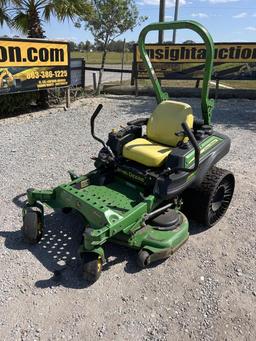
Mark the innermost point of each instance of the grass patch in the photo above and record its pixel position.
(95, 57)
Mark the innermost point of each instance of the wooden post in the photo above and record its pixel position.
(68, 97)
(83, 73)
(217, 88)
(136, 87)
(94, 76)
(197, 83)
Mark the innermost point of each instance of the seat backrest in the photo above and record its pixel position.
(166, 120)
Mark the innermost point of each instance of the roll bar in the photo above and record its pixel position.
(207, 104)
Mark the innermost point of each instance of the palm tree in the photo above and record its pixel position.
(28, 16)
(4, 17)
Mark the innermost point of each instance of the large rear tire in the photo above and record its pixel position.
(209, 203)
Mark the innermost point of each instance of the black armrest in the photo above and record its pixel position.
(116, 140)
(138, 122)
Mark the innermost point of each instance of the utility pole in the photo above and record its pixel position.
(161, 19)
(176, 14)
(122, 68)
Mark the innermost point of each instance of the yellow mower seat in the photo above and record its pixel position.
(162, 127)
(146, 152)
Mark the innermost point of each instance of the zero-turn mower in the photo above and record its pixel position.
(143, 185)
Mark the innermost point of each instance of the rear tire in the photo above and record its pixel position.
(209, 203)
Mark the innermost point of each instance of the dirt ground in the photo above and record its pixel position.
(206, 291)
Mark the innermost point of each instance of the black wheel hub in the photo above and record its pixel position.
(218, 199)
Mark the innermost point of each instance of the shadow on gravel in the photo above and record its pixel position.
(58, 249)
(196, 228)
(139, 105)
(229, 113)
(239, 115)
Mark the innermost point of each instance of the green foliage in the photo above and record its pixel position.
(4, 16)
(16, 103)
(111, 18)
(114, 46)
(27, 16)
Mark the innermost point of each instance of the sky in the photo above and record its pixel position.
(227, 21)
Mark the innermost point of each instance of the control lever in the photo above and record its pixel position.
(94, 115)
(192, 139)
(187, 132)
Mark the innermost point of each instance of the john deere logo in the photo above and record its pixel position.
(131, 175)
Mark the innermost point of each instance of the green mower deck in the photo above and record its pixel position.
(113, 212)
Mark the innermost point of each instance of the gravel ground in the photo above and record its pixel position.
(206, 291)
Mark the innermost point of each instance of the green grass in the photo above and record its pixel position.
(95, 57)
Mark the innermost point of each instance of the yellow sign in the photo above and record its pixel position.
(224, 53)
(19, 53)
(33, 64)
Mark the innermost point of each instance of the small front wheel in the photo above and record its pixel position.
(91, 266)
(32, 228)
(143, 258)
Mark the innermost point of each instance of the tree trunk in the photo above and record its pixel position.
(102, 66)
(35, 30)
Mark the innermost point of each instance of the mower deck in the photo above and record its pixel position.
(108, 209)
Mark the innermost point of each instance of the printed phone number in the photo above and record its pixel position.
(47, 74)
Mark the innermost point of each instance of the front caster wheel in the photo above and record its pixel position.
(91, 266)
(143, 259)
(32, 228)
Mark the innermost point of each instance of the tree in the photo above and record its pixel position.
(116, 46)
(72, 46)
(189, 42)
(88, 46)
(28, 15)
(81, 46)
(130, 45)
(110, 19)
(4, 17)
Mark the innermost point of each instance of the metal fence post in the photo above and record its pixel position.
(83, 72)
